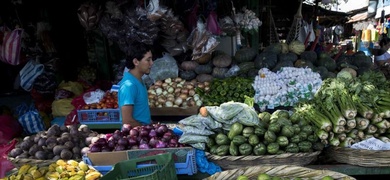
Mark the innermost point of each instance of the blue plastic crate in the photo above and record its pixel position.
(189, 167)
(99, 116)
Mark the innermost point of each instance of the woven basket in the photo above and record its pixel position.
(289, 171)
(359, 157)
(233, 162)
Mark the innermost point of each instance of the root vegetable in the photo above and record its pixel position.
(178, 101)
(171, 90)
(184, 91)
(159, 91)
(201, 86)
(177, 90)
(178, 79)
(168, 80)
(158, 83)
(191, 92)
(183, 96)
(168, 104)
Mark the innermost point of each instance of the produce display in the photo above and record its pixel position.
(58, 142)
(109, 101)
(225, 90)
(349, 109)
(277, 133)
(60, 169)
(176, 93)
(140, 137)
(286, 87)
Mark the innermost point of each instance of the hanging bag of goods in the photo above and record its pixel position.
(11, 47)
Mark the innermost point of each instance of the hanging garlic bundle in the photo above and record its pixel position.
(296, 26)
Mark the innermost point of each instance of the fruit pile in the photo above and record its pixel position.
(109, 101)
(71, 170)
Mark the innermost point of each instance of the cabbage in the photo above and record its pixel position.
(346, 75)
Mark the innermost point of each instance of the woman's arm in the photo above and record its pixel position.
(127, 116)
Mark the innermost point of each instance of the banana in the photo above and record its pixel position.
(41, 178)
(28, 177)
(93, 176)
(72, 163)
(12, 177)
(77, 177)
(35, 167)
(44, 170)
(81, 173)
(52, 167)
(19, 177)
(24, 169)
(61, 162)
(36, 174)
(52, 175)
(83, 166)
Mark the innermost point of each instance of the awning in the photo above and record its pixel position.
(358, 17)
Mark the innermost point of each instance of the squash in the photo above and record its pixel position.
(187, 75)
(309, 56)
(204, 78)
(282, 64)
(275, 48)
(322, 71)
(296, 47)
(203, 111)
(284, 47)
(350, 70)
(301, 63)
(245, 67)
(219, 72)
(266, 60)
(188, 65)
(252, 73)
(245, 54)
(222, 60)
(287, 57)
(204, 69)
(328, 63)
(205, 58)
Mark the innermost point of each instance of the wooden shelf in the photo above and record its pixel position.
(172, 111)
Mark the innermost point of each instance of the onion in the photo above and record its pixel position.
(168, 104)
(194, 81)
(191, 103)
(94, 139)
(158, 83)
(190, 86)
(207, 88)
(144, 146)
(206, 83)
(161, 144)
(151, 91)
(123, 141)
(148, 127)
(178, 101)
(151, 96)
(178, 79)
(132, 141)
(171, 98)
(164, 85)
(111, 144)
(201, 85)
(183, 96)
(177, 90)
(167, 135)
(191, 92)
(101, 142)
(108, 136)
(120, 147)
(133, 132)
(170, 90)
(184, 91)
(95, 148)
(106, 149)
(144, 133)
(153, 142)
(152, 133)
(168, 80)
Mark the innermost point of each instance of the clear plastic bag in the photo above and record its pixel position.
(233, 71)
(93, 96)
(164, 68)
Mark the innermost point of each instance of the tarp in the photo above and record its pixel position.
(382, 5)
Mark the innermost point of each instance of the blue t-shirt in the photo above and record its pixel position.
(133, 92)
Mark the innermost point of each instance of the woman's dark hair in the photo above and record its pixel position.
(136, 50)
(384, 41)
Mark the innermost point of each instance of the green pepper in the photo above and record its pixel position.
(253, 140)
(260, 131)
(236, 95)
(287, 131)
(307, 129)
(211, 143)
(220, 88)
(245, 149)
(238, 140)
(312, 138)
(233, 149)
(270, 136)
(222, 139)
(247, 131)
(274, 127)
(235, 130)
(222, 93)
(213, 149)
(259, 149)
(295, 139)
(305, 146)
(222, 150)
(297, 129)
(282, 141)
(273, 148)
(302, 136)
(292, 148)
(232, 87)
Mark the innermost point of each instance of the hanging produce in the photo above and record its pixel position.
(89, 15)
(124, 25)
(295, 26)
(201, 41)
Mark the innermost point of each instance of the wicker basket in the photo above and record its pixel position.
(233, 162)
(360, 157)
(289, 171)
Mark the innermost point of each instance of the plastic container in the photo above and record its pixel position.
(187, 167)
(157, 167)
(99, 116)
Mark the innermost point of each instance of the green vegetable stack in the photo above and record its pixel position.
(229, 89)
(349, 109)
(278, 133)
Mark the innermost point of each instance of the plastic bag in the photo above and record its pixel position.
(233, 71)
(75, 87)
(29, 73)
(5, 164)
(62, 107)
(203, 165)
(247, 116)
(192, 139)
(30, 119)
(11, 46)
(164, 68)
(225, 112)
(200, 146)
(196, 130)
(62, 94)
(9, 128)
(93, 96)
(212, 23)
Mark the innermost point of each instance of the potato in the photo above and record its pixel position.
(42, 142)
(58, 149)
(33, 149)
(41, 155)
(15, 152)
(66, 154)
(69, 144)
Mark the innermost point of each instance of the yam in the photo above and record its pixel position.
(57, 149)
(40, 155)
(66, 154)
(15, 152)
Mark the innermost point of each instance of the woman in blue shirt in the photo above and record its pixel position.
(132, 94)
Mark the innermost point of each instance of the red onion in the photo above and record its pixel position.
(133, 132)
(95, 148)
(144, 146)
(111, 144)
(152, 133)
(161, 144)
(152, 142)
(132, 141)
(120, 148)
(123, 142)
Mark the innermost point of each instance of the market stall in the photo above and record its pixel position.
(295, 109)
